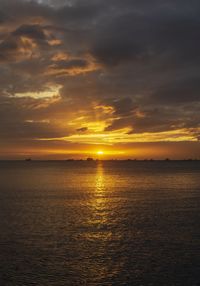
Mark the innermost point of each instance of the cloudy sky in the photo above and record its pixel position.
(79, 76)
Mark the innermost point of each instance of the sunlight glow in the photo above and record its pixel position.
(50, 92)
(100, 152)
(122, 136)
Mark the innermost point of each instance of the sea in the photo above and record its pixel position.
(100, 223)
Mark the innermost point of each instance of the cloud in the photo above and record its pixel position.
(23, 43)
(178, 91)
(82, 129)
(31, 31)
(131, 65)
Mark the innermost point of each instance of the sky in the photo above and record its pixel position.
(82, 76)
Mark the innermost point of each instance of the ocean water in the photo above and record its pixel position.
(100, 223)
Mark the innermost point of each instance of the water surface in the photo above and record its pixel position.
(99, 223)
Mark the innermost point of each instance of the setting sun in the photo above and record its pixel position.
(100, 152)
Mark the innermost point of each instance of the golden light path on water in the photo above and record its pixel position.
(99, 206)
(101, 223)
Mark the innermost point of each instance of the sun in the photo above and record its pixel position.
(100, 152)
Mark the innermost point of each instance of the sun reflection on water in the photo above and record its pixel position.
(101, 232)
(99, 207)
(99, 185)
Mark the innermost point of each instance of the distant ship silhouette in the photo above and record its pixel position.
(90, 159)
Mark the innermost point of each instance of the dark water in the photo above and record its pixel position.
(106, 223)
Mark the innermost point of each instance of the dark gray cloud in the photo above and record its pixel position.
(8, 49)
(178, 91)
(31, 31)
(70, 64)
(146, 35)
